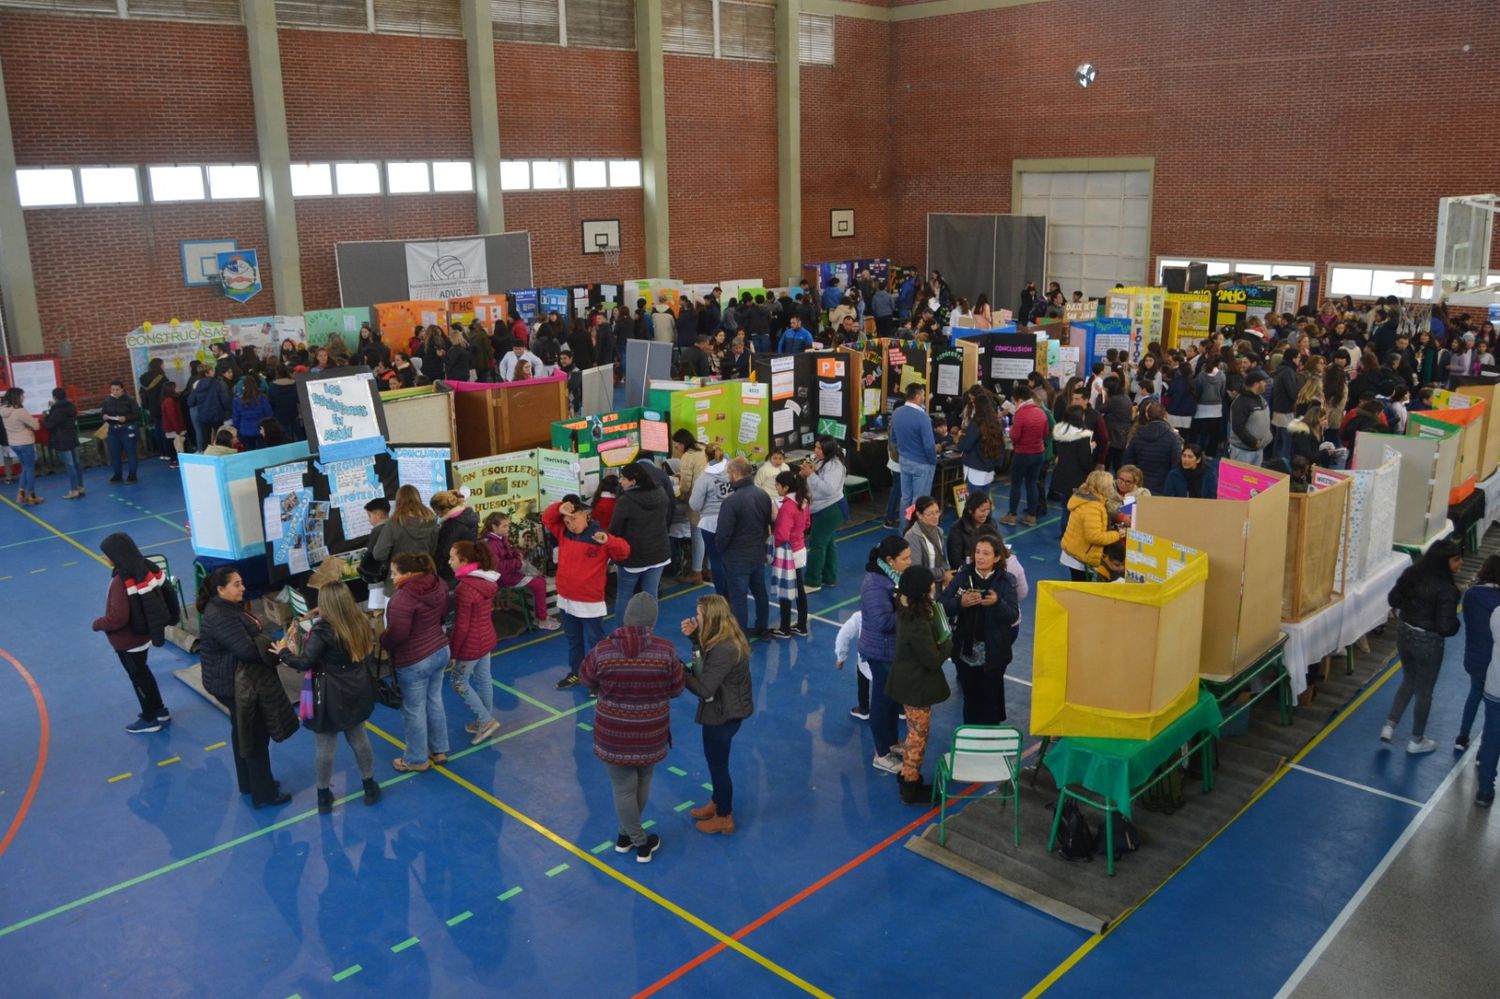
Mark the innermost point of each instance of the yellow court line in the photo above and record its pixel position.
(630, 883)
(27, 513)
(1088, 945)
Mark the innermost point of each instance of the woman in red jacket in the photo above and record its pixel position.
(419, 651)
(473, 638)
(173, 421)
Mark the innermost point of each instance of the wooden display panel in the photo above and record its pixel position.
(1486, 390)
(1316, 529)
(421, 418)
(505, 417)
(1469, 422)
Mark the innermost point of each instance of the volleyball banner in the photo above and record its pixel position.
(447, 269)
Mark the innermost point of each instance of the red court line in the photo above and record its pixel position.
(804, 894)
(41, 752)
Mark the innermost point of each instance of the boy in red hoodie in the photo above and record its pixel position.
(584, 552)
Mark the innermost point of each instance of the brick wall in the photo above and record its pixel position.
(721, 168)
(1283, 130)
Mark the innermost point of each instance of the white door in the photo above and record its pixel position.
(1098, 227)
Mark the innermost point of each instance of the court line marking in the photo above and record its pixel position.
(623, 879)
(170, 759)
(461, 917)
(1356, 785)
(554, 712)
(118, 777)
(44, 735)
(348, 972)
(403, 945)
(81, 530)
(554, 872)
(509, 893)
(1083, 950)
(151, 515)
(37, 520)
(1357, 899)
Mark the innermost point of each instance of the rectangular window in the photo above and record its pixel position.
(357, 178)
(687, 27)
(343, 15)
(312, 180)
(624, 173)
(176, 183)
(110, 185)
(1377, 281)
(407, 178)
(549, 175)
(533, 21)
(815, 39)
(452, 175)
(46, 188)
(210, 11)
(515, 175)
(603, 24)
(590, 173)
(236, 181)
(747, 31)
(419, 17)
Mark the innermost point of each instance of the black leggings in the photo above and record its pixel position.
(143, 681)
(253, 771)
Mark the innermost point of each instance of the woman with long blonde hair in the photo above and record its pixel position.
(1088, 525)
(721, 679)
(412, 529)
(339, 649)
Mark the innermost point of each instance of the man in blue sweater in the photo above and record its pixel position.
(916, 444)
(796, 339)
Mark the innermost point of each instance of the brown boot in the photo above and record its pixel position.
(690, 578)
(708, 811)
(718, 824)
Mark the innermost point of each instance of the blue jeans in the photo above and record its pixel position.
(583, 634)
(762, 343)
(629, 582)
(1244, 457)
(916, 482)
(893, 502)
(203, 434)
(717, 740)
(121, 442)
(26, 455)
(1471, 705)
(742, 583)
(423, 722)
(715, 562)
(1024, 471)
(883, 711)
(1489, 748)
(471, 681)
(697, 550)
(74, 469)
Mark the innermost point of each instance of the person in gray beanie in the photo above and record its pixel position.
(635, 675)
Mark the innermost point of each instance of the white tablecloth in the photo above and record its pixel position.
(1442, 533)
(1309, 640)
(1366, 605)
(1491, 489)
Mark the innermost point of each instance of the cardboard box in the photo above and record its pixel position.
(1422, 485)
(1243, 534)
(1316, 531)
(1079, 688)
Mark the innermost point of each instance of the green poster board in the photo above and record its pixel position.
(321, 323)
(616, 439)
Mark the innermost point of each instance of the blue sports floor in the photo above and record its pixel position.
(129, 864)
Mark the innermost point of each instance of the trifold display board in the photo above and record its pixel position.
(615, 439)
(952, 371)
(1426, 472)
(1001, 360)
(1187, 320)
(1081, 690)
(1485, 389)
(1468, 423)
(1372, 518)
(736, 415)
(500, 417)
(1097, 337)
(1316, 530)
(1243, 533)
(1232, 304)
(1142, 306)
(812, 394)
(223, 508)
(397, 322)
(421, 415)
(521, 485)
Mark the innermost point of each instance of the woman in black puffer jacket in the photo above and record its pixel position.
(1426, 600)
(456, 522)
(643, 512)
(239, 670)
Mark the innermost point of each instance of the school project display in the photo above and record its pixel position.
(1316, 533)
(734, 415)
(1372, 518)
(499, 417)
(421, 415)
(1468, 421)
(320, 324)
(1243, 533)
(223, 507)
(341, 411)
(1097, 337)
(1082, 689)
(1485, 389)
(396, 322)
(177, 344)
(1426, 472)
(520, 485)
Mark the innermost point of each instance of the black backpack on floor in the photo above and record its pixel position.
(1127, 837)
(1075, 840)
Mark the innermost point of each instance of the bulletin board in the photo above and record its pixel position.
(37, 376)
(397, 321)
(320, 324)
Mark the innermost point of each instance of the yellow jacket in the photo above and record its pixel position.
(1088, 529)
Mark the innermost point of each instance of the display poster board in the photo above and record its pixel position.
(320, 324)
(177, 344)
(1191, 318)
(1316, 533)
(1003, 359)
(904, 363)
(35, 375)
(520, 485)
(1078, 692)
(1426, 470)
(223, 506)
(267, 333)
(1486, 389)
(486, 309)
(615, 439)
(950, 377)
(342, 413)
(1245, 541)
(735, 415)
(837, 402)
(1233, 304)
(528, 303)
(1143, 307)
(1372, 518)
(1469, 422)
(397, 322)
(1096, 338)
(419, 416)
(792, 384)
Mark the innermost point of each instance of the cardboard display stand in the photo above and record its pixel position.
(521, 485)
(223, 508)
(500, 417)
(1002, 360)
(1426, 471)
(1469, 422)
(1372, 519)
(1080, 689)
(1485, 389)
(1243, 533)
(420, 416)
(1316, 534)
(735, 415)
(1098, 337)
(812, 394)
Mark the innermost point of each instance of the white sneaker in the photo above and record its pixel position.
(488, 730)
(890, 763)
(1417, 747)
(1387, 732)
(549, 624)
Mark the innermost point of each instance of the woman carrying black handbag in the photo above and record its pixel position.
(339, 652)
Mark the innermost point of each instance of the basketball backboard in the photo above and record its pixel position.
(1465, 227)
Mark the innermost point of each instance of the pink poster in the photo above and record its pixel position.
(1237, 482)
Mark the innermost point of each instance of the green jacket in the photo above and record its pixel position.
(916, 676)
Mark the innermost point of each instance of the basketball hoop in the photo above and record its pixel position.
(611, 256)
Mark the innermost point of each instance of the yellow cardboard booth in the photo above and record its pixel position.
(1085, 683)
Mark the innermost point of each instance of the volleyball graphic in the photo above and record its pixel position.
(448, 268)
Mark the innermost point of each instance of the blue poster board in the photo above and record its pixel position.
(1101, 336)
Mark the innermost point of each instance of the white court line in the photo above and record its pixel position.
(1356, 785)
(1375, 875)
(1016, 679)
(840, 624)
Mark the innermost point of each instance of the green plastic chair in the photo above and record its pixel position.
(160, 561)
(980, 754)
(856, 486)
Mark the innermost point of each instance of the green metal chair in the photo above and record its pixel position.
(161, 562)
(980, 754)
(858, 485)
